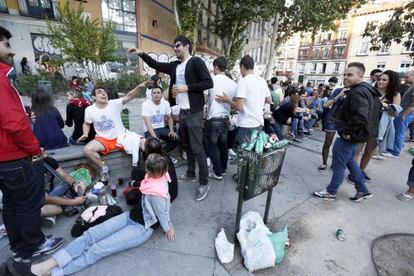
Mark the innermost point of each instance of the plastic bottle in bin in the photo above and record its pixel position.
(280, 144)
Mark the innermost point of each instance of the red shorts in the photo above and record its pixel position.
(109, 145)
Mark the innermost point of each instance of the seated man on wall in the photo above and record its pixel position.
(105, 115)
(155, 112)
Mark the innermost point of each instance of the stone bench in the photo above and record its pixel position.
(119, 162)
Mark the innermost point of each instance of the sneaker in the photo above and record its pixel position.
(324, 195)
(48, 222)
(215, 176)
(367, 178)
(202, 192)
(184, 155)
(377, 157)
(350, 179)
(208, 162)
(388, 154)
(18, 268)
(297, 140)
(360, 196)
(223, 174)
(105, 173)
(174, 160)
(232, 152)
(322, 167)
(49, 245)
(187, 178)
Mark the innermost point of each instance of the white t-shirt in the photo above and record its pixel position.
(182, 98)
(106, 121)
(254, 89)
(156, 112)
(222, 83)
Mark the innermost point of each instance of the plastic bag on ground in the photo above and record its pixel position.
(82, 174)
(279, 240)
(224, 249)
(256, 247)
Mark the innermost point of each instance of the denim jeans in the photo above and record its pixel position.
(191, 134)
(400, 126)
(217, 135)
(114, 235)
(245, 133)
(162, 133)
(22, 185)
(296, 122)
(343, 157)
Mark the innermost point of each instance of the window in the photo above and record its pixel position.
(363, 48)
(339, 52)
(315, 54)
(289, 66)
(301, 67)
(3, 5)
(404, 66)
(336, 70)
(323, 70)
(314, 67)
(121, 12)
(384, 49)
(381, 65)
(39, 8)
(325, 53)
(303, 54)
(409, 46)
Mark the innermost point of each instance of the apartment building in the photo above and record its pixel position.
(394, 56)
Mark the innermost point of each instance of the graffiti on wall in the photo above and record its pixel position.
(42, 45)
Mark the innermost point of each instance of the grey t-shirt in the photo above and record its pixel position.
(408, 98)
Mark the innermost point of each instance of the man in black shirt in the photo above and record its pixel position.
(189, 78)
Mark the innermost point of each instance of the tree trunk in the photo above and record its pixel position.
(272, 52)
(176, 17)
(230, 44)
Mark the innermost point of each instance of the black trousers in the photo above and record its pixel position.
(191, 135)
(22, 185)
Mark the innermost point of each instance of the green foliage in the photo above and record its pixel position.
(123, 84)
(27, 84)
(188, 16)
(83, 41)
(400, 27)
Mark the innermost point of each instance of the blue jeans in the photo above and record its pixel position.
(400, 126)
(244, 133)
(217, 134)
(162, 133)
(342, 157)
(114, 235)
(294, 126)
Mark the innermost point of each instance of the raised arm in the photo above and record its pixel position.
(164, 67)
(133, 93)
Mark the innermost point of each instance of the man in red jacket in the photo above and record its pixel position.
(21, 171)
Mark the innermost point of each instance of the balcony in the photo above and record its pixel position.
(305, 44)
(341, 41)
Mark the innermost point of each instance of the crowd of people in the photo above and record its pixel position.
(205, 117)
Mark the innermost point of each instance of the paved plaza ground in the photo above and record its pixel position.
(312, 223)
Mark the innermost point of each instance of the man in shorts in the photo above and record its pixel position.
(105, 115)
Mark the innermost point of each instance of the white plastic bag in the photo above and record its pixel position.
(225, 249)
(256, 246)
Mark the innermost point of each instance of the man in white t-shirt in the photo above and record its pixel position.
(155, 112)
(218, 122)
(252, 93)
(105, 115)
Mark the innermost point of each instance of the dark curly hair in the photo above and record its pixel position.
(394, 83)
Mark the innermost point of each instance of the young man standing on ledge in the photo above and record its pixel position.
(189, 78)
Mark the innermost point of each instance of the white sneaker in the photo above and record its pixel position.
(388, 154)
(215, 176)
(232, 153)
(208, 162)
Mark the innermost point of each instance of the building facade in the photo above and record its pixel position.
(388, 57)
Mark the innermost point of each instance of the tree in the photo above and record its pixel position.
(398, 28)
(231, 22)
(83, 41)
(302, 16)
(186, 15)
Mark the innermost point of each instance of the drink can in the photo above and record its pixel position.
(340, 234)
(120, 181)
(113, 189)
(267, 147)
(255, 133)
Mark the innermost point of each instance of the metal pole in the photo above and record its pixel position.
(241, 183)
(268, 202)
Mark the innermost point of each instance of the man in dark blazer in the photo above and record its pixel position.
(189, 78)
